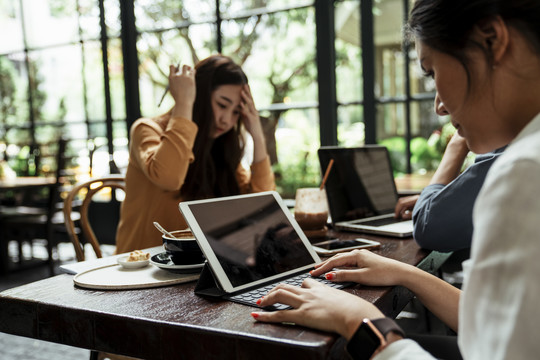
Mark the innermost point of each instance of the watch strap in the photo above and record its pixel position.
(386, 325)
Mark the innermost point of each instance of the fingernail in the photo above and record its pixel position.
(311, 272)
(330, 276)
(259, 301)
(255, 315)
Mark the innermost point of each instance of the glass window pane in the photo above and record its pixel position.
(420, 84)
(388, 23)
(89, 19)
(57, 84)
(424, 120)
(237, 7)
(120, 131)
(80, 163)
(297, 141)
(49, 22)
(391, 133)
(98, 129)
(76, 130)
(18, 136)
(48, 134)
(100, 157)
(390, 120)
(390, 81)
(351, 126)
(158, 50)
(13, 91)
(112, 17)
(277, 52)
(120, 142)
(93, 77)
(10, 23)
(163, 14)
(430, 134)
(116, 79)
(348, 52)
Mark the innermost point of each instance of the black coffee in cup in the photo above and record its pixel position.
(183, 248)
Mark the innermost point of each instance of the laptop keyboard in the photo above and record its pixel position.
(250, 297)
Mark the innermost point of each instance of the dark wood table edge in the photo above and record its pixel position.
(159, 332)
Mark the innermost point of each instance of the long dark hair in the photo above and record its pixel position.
(446, 25)
(213, 173)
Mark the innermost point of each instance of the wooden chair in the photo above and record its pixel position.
(87, 190)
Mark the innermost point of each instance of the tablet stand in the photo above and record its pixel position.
(207, 284)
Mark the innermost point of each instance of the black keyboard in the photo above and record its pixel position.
(250, 297)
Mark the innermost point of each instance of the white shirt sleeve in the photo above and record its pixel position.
(405, 349)
(498, 317)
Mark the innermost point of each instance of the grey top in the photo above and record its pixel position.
(442, 215)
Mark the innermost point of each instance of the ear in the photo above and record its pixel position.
(493, 35)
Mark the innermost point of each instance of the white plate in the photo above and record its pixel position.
(163, 261)
(131, 264)
(115, 277)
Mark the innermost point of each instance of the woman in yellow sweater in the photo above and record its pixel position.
(191, 152)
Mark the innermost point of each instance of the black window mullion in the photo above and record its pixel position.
(106, 79)
(326, 70)
(219, 40)
(368, 70)
(405, 48)
(29, 76)
(131, 62)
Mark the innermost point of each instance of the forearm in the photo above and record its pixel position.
(441, 298)
(259, 148)
(452, 161)
(182, 109)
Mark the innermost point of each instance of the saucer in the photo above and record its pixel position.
(163, 261)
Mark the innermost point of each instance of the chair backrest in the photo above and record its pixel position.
(91, 187)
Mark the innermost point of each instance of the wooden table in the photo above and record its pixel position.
(18, 184)
(24, 182)
(172, 322)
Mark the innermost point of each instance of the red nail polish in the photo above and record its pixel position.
(259, 301)
(329, 276)
(255, 315)
(311, 272)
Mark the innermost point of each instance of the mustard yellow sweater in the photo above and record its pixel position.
(159, 156)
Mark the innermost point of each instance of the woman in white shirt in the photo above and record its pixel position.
(484, 56)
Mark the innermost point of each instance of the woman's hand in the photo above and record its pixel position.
(404, 207)
(252, 122)
(249, 113)
(183, 90)
(363, 267)
(318, 306)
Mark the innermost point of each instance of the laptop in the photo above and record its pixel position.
(251, 243)
(361, 191)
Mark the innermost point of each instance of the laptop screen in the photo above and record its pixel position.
(251, 237)
(361, 183)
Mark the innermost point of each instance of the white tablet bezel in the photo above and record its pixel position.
(213, 261)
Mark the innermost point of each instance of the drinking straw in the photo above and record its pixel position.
(328, 168)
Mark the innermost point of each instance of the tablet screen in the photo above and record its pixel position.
(251, 237)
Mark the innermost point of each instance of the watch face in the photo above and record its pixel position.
(365, 341)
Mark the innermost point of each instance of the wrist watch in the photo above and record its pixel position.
(371, 334)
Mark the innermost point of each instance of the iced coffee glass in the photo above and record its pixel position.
(311, 209)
